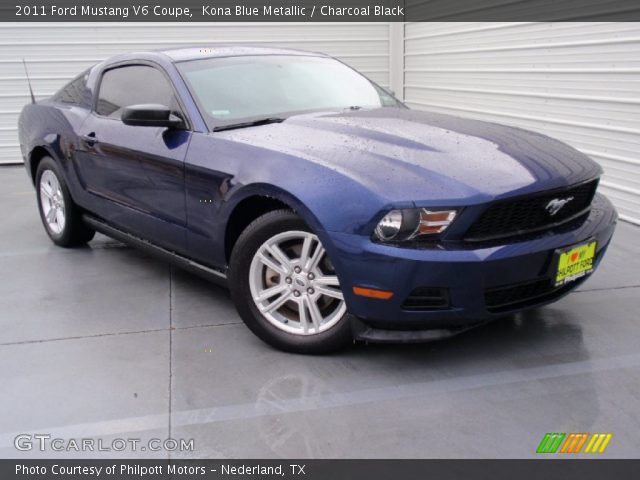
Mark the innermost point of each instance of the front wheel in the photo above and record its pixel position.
(285, 286)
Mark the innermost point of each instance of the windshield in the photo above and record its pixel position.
(232, 90)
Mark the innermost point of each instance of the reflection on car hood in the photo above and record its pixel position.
(405, 154)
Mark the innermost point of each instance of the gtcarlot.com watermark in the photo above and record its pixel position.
(45, 442)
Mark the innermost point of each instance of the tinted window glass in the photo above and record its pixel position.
(75, 92)
(233, 88)
(125, 86)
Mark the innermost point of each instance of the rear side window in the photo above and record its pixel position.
(132, 85)
(75, 92)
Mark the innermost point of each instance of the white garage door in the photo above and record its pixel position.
(578, 82)
(55, 53)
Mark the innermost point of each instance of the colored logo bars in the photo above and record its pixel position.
(573, 443)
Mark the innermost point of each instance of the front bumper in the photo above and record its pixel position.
(465, 273)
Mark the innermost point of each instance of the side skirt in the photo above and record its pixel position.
(213, 275)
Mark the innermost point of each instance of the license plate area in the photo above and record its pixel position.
(574, 262)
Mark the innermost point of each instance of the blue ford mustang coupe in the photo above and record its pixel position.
(331, 210)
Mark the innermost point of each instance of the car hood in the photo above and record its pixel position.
(403, 154)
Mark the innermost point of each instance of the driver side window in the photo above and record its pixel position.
(133, 85)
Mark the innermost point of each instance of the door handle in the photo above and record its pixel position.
(90, 139)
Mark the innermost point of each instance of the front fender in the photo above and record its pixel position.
(277, 193)
(331, 198)
(236, 196)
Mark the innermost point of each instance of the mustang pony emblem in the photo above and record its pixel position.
(556, 204)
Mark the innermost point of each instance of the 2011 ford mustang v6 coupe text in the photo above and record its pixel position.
(330, 209)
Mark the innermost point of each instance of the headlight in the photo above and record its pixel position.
(406, 224)
(390, 225)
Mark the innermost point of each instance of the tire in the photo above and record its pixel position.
(60, 216)
(311, 317)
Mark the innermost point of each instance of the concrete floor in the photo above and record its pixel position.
(106, 342)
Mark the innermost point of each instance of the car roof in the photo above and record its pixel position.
(194, 53)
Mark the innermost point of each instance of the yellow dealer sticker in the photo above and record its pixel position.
(575, 262)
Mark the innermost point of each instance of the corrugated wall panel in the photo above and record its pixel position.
(578, 82)
(55, 53)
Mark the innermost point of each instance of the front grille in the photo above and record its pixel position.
(427, 298)
(512, 297)
(520, 216)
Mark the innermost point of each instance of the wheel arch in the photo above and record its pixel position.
(253, 201)
(35, 157)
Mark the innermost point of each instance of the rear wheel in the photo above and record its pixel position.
(285, 286)
(59, 215)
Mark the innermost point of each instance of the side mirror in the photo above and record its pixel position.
(150, 115)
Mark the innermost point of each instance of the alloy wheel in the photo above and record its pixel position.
(52, 202)
(294, 285)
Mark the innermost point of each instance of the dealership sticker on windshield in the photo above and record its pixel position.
(575, 262)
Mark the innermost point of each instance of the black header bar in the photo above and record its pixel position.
(318, 10)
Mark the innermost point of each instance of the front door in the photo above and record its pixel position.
(135, 173)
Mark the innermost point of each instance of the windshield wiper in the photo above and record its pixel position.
(252, 123)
